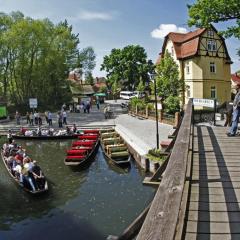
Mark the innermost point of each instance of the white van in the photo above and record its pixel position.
(138, 94)
(126, 95)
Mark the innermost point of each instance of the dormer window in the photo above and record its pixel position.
(212, 45)
(210, 33)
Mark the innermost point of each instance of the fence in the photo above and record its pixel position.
(151, 114)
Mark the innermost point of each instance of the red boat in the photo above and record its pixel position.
(83, 150)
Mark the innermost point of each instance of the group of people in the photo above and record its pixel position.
(36, 118)
(22, 167)
(47, 132)
(83, 106)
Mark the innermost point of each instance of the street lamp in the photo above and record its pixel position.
(152, 77)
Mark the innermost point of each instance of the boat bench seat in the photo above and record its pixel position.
(75, 157)
(76, 152)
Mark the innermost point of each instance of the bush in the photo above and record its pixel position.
(137, 102)
(172, 104)
(155, 155)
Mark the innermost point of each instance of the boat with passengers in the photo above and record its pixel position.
(24, 171)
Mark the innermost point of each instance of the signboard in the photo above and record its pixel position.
(33, 102)
(203, 102)
(159, 106)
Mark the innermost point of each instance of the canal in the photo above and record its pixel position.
(84, 204)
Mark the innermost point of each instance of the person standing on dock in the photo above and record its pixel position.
(236, 113)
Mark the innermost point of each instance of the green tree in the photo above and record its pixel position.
(127, 66)
(87, 60)
(35, 56)
(141, 86)
(115, 89)
(205, 12)
(172, 104)
(167, 78)
(89, 78)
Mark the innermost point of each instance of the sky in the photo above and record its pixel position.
(108, 24)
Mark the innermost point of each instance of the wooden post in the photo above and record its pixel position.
(136, 109)
(177, 119)
(147, 112)
(160, 116)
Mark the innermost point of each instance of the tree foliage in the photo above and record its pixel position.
(167, 78)
(35, 57)
(205, 12)
(86, 60)
(127, 66)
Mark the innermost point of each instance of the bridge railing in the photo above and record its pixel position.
(164, 220)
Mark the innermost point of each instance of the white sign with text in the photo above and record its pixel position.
(203, 102)
(33, 102)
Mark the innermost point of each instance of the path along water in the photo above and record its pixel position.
(84, 204)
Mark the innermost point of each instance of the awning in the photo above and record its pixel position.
(100, 94)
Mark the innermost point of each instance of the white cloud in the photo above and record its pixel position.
(164, 29)
(88, 15)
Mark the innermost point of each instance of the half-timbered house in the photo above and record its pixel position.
(204, 63)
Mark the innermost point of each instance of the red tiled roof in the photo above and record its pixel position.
(235, 78)
(185, 44)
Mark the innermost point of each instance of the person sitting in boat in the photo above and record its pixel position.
(26, 177)
(23, 131)
(39, 132)
(11, 162)
(68, 130)
(13, 147)
(17, 171)
(74, 128)
(50, 132)
(5, 149)
(21, 151)
(9, 136)
(38, 175)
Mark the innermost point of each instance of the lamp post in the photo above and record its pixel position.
(152, 77)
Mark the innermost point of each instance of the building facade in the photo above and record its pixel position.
(204, 63)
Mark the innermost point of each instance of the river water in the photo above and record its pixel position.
(84, 204)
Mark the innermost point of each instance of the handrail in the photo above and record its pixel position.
(162, 219)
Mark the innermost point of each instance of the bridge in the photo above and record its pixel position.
(199, 194)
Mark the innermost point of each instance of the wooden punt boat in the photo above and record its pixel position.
(47, 137)
(83, 151)
(114, 148)
(16, 180)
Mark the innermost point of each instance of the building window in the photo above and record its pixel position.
(212, 45)
(212, 67)
(213, 92)
(187, 68)
(172, 51)
(210, 33)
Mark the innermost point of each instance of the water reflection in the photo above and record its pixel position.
(81, 204)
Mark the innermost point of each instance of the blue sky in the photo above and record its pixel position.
(107, 24)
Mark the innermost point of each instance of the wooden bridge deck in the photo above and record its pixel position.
(213, 210)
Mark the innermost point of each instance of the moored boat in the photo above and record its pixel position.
(114, 148)
(83, 150)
